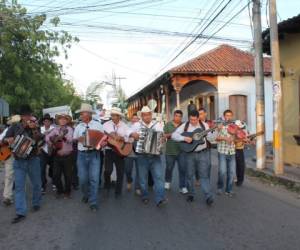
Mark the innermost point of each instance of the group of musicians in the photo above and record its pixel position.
(85, 163)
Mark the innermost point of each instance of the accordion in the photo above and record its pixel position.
(22, 146)
(93, 139)
(150, 142)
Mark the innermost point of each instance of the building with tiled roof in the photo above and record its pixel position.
(218, 79)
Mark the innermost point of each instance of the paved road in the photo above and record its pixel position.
(259, 217)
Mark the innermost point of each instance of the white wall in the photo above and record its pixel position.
(235, 85)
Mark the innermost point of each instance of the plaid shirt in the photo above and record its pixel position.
(223, 146)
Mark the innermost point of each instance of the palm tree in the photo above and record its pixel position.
(120, 98)
(93, 92)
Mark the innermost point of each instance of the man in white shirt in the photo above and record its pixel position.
(46, 158)
(197, 159)
(9, 175)
(88, 160)
(131, 162)
(150, 162)
(117, 129)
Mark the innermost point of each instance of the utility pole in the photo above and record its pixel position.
(277, 93)
(259, 85)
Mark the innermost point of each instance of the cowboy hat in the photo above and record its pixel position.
(66, 116)
(13, 119)
(116, 111)
(146, 109)
(85, 107)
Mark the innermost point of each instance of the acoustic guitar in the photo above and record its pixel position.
(121, 147)
(198, 138)
(5, 152)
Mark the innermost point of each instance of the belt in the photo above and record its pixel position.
(88, 151)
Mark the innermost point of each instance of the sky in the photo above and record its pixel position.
(139, 40)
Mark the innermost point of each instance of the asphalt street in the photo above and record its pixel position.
(260, 216)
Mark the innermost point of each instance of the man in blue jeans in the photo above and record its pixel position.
(88, 159)
(26, 164)
(173, 154)
(148, 162)
(196, 159)
(226, 155)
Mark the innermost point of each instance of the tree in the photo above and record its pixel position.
(120, 98)
(93, 92)
(28, 71)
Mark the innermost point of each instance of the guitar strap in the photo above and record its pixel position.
(187, 124)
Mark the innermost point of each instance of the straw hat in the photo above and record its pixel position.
(116, 111)
(14, 119)
(66, 116)
(85, 107)
(146, 109)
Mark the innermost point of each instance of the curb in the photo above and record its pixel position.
(290, 184)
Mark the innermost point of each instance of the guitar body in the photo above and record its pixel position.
(122, 148)
(197, 137)
(5, 153)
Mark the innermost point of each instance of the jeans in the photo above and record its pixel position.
(63, 165)
(153, 164)
(88, 164)
(170, 164)
(22, 167)
(111, 159)
(226, 167)
(130, 163)
(240, 165)
(198, 161)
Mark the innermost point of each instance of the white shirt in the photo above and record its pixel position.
(2, 135)
(157, 126)
(120, 129)
(176, 136)
(45, 131)
(81, 129)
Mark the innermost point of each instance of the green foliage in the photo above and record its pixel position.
(28, 71)
(120, 98)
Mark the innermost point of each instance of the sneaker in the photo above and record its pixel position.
(190, 198)
(43, 191)
(129, 187)
(183, 190)
(53, 188)
(209, 201)
(138, 192)
(162, 203)
(85, 200)
(230, 194)
(219, 192)
(7, 202)
(167, 185)
(93, 208)
(18, 219)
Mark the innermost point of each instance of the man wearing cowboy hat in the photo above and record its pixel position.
(120, 131)
(148, 162)
(8, 166)
(60, 140)
(29, 166)
(46, 158)
(88, 160)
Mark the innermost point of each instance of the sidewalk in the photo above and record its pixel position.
(290, 178)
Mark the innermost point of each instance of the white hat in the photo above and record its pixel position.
(85, 107)
(116, 111)
(146, 109)
(240, 124)
(14, 119)
(66, 116)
